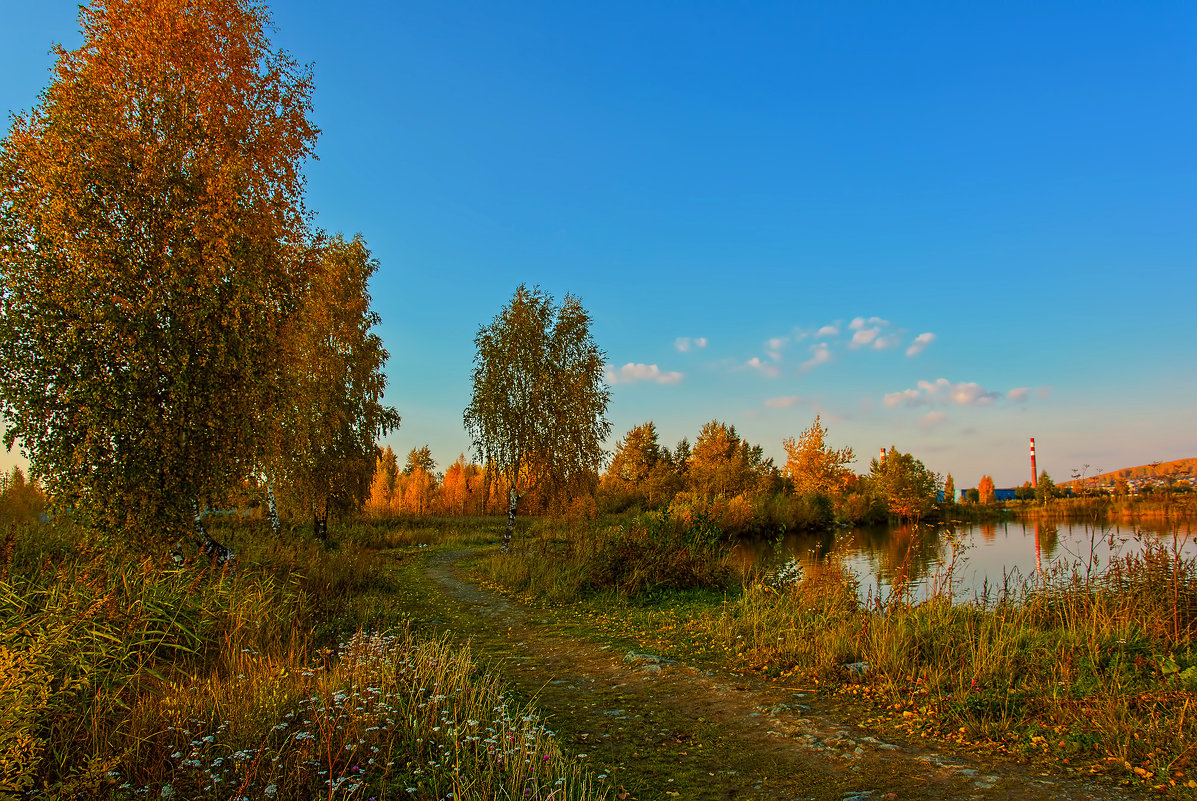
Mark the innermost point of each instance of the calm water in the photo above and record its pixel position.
(984, 558)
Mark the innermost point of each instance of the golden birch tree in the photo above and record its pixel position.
(331, 410)
(908, 487)
(151, 219)
(538, 411)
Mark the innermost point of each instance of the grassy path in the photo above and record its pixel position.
(659, 729)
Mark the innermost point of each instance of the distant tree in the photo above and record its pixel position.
(382, 486)
(973, 495)
(681, 457)
(813, 465)
(419, 459)
(1046, 487)
(949, 489)
(388, 468)
(21, 500)
(985, 490)
(723, 463)
(1026, 492)
(909, 488)
(538, 410)
(461, 488)
(636, 454)
(151, 219)
(716, 466)
(333, 410)
(661, 484)
(417, 492)
(1121, 487)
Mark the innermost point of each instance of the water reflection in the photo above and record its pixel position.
(975, 561)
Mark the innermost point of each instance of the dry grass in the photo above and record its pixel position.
(123, 676)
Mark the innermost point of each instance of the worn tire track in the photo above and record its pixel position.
(661, 729)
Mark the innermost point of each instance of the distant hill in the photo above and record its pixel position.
(1180, 468)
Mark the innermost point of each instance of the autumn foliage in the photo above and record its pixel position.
(985, 490)
(154, 250)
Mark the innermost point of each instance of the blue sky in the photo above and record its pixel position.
(946, 227)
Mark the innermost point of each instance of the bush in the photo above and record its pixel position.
(657, 551)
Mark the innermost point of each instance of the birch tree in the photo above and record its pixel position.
(151, 219)
(332, 409)
(537, 413)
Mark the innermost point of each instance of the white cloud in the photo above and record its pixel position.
(970, 393)
(783, 402)
(885, 342)
(920, 344)
(686, 343)
(633, 372)
(828, 331)
(820, 354)
(965, 393)
(869, 332)
(863, 336)
(910, 397)
(1018, 394)
(873, 322)
(774, 347)
(764, 368)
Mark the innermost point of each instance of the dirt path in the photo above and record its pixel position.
(659, 729)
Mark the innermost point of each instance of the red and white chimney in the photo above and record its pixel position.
(1034, 472)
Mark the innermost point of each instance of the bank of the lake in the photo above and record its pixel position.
(1093, 668)
(982, 561)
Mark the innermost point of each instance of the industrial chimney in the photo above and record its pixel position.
(1034, 472)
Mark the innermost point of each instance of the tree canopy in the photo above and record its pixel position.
(909, 488)
(537, 413)
(985, 490)
(154, 260)
(636, 454)
(813, 465)
(332, 410)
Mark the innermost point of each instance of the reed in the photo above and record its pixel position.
(123, 675)
(650, 553)
(1095, 665)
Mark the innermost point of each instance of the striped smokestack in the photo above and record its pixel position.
(1034, 472)
(883, 456)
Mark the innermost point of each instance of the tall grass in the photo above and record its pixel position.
(125, 675)
(1081, 663)
(1099, 664)
(1158, 506)
(651, 552)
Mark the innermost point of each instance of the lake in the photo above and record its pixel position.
(976, 560)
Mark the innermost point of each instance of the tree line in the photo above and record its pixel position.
(178, 334)
(721, 477)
